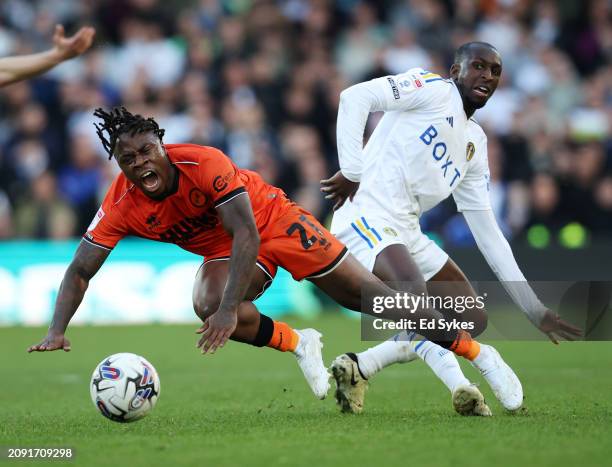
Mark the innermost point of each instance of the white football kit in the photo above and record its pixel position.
(423, 150)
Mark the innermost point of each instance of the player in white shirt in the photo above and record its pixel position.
(425, 148)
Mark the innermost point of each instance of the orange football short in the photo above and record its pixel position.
(294, 240)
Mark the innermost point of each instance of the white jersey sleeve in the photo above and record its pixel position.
(498, 254)
(415, 89)
(472, 194)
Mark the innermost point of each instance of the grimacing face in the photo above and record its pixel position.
(477, 76)
(143, 160)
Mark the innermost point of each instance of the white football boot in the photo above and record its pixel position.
(350, 383)
(503, 381)
(308, 355)
(468, 400)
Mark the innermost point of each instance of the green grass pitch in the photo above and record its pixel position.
(249, 406)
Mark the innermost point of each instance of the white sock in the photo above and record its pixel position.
(398, 349)
(403, 348)
(442, 362)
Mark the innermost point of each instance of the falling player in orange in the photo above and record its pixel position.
(195, 197)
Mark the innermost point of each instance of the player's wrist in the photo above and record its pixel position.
(57, 55)
(228, 307)
(351, 176)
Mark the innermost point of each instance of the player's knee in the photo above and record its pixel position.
(206, 305)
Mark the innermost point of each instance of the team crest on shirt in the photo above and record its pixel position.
(469, 151)
(197, 198)
(390, 231)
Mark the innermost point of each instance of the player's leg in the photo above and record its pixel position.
(503, 381)
(395, 265)
(260, 330)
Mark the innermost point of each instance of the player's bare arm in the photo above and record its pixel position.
(238, 220)
(86, 262)
(338, 188)
(13, 69)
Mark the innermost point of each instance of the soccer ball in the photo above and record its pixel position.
(124, 387)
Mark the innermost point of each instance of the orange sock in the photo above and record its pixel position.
(284, 338)
(465, 346)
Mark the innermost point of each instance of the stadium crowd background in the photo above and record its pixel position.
(261, 80)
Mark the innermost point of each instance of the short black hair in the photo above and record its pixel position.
(464, 50)
(118, 121)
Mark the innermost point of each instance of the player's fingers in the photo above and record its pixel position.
(205, 336)
(566, 335)
(339, 204)
(219, 340)
(202, 328)
(59, 32)
(209, 342)
(552, 338)
(203, 339)
(568, 327)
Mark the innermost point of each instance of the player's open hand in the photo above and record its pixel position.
(338, 188)
(554, 327)
(68, 47)
(217, 329)
(51, 342)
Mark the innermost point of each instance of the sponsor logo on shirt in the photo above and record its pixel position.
(220, 182)
(190, 227)
(440, 153)
(396, 94)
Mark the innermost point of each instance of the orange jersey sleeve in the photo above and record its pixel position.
(220, 178)
(108, 226)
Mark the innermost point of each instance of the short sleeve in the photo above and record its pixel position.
(221, 180)
(472, 194)
(107, 226)
(413, 89)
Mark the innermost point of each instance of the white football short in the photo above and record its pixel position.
(368, 234)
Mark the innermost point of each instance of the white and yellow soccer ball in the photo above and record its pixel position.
(124, 387)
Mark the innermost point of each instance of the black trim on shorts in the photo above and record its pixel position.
(330, 266)
(229, 195)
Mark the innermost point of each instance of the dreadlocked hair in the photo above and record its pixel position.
(119, 121)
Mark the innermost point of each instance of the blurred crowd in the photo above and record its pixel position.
(260, 79)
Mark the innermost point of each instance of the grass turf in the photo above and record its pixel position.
(249, 406)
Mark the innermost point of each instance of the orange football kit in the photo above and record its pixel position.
(290, 236)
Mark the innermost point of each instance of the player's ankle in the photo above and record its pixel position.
(465, 346)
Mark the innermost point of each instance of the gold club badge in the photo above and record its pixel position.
(469, 151)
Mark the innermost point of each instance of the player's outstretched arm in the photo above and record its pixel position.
(13, 69)
(496, 250)
(86, 262)
(238, 220)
